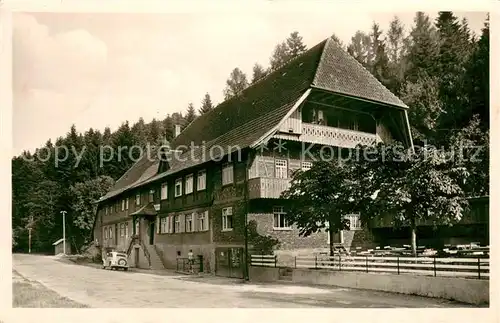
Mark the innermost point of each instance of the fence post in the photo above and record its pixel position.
(201, 263)
(275, 260)
(366, 263)
(434, 266)
(316, 262)
(340, 263)
(479, 268)
(398, 264)
(295, 261)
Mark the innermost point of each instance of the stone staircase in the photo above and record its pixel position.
(285, 274)
(154, 258)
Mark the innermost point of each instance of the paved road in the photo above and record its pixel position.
(105, 288)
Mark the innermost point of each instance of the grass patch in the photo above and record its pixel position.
(32, 294)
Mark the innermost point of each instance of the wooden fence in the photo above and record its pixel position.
(442, 267)
(264, 260)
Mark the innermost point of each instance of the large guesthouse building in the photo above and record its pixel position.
(230, 165)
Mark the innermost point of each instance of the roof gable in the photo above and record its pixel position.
(341, 73)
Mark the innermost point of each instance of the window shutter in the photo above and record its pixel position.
(207, 226)
(158, 219)
(194, 221)
(182, 223)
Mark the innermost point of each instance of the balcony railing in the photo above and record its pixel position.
(324, 135)
(262, 187)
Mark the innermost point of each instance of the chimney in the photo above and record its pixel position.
(177, 130)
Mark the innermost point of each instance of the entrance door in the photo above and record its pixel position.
(229, 262)
(151, 232)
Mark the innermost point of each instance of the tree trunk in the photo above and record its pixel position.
(413, 238)
(330, 233)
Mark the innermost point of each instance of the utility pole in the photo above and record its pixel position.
(30, 227)
(64, 230)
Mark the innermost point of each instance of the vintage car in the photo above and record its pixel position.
(115, 260)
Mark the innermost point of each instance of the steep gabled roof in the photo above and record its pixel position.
(246, 118)
(341, 73)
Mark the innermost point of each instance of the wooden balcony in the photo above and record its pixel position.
(267, 188)
(324, 135)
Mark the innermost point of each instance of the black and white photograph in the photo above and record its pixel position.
(250, 158)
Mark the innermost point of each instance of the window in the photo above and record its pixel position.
(122, 229)
(202, 180)
(126, 203)
(164, 191)
(138, 199)
(126, 229)
(189, 184)
(111, 232)
(227, 219)
(170, 224)
(177, 223)
(123, 205)
(281, 168)
(354, 222)
(110, 209)
(280, 221)
(203, 221)
(178, 187)
(151, 195)
(189, 223)
(227, 174)
(106, 233)
(306, 166)
(106, 210)
(163, 225)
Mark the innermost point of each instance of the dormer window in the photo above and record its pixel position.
(151, 195)
(138, 199)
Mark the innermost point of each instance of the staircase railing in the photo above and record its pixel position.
(131, 245)
(145, 250)
(136, 239)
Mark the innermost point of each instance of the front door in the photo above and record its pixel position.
(229, 262)
(151, 232)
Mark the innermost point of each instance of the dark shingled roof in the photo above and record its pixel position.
(341, 73)
(246, 117)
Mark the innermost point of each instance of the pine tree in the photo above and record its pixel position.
(190, 115)
(380, 63)
(295, 45)
(154, 133)
(140, 132)
(359, 48)
(168, 126)
(338, 41)
(423, 49)
(236, 83)
(258, 72)
(396, 53)
(477, 79)
(454, 53)
(280, 56)
(206, 104)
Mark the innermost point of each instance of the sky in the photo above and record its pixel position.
(99, 69)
